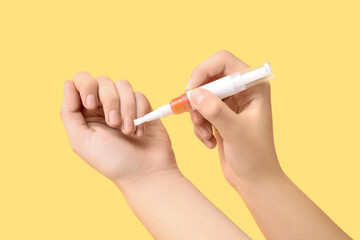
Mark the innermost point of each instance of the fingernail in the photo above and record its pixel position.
(188, 84)
(196, 97)
(90, 101)
(203, 131)
(114, 117)
(128, 125)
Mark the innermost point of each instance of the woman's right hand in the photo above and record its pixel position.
(242, 123)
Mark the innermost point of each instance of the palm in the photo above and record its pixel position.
(116, 155)
(248, 105)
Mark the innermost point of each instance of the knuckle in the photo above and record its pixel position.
(199, 72)
(111, 100)
(223, 53)
(196, 118)
(86, 89)
(267, 86)
(196, 132)
(84, 82)
(122, 83)
(141, 100)
(80, 75)
(214, 111)
(226, 55)
(103, 78)
(208, 133)
(128, 108)
(139, 95)
(262, 90)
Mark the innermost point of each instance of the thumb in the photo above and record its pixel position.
(74, 122)
(214, 110)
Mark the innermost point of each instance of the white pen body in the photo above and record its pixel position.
(223, 87)
(237, 82)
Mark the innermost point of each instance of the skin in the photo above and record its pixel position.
(98, 115)
(241, 127)
(98, 118)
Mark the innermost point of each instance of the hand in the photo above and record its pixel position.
(98, 117)
(242, 122)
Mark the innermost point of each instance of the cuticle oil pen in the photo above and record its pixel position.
(223, 87)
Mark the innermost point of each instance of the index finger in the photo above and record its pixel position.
(219, 64)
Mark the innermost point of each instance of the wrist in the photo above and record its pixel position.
(269, 181)
(263, 170)
(149, 180)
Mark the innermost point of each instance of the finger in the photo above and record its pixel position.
(214, 110)
(88, 89)
(205, 130)
(109, 99)
(127, 106)
(221, 63)
(196, 117)
(74, 122)
(142, 108)
(202, 126)
(220, 144)
(209, 143)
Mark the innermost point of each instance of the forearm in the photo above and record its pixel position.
(170, 207)
(283, 211)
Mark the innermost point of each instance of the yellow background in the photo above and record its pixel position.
(47, 192)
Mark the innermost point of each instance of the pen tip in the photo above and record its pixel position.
(139, 121)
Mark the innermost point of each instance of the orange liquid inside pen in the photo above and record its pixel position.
(180, 104)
